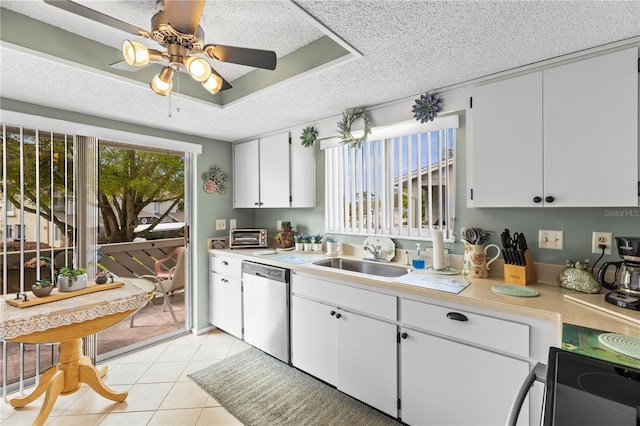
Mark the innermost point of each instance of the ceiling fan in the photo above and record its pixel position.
(176, 27)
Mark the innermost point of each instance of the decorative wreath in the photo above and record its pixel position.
(215, 180)
(309, 136)
(344, 127)
(426, 108)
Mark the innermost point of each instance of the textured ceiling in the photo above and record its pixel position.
(408, 47)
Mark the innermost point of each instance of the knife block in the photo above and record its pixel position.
(521, 275)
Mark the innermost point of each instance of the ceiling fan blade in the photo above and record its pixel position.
(184, 15)
(94, 15)
(241, 55)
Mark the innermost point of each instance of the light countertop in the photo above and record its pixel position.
(551, 305)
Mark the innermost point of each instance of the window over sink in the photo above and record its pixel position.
(400, 183)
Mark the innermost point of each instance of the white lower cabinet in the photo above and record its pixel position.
(449, 383)
(367, 361)
(225, 295)
(446, 363)
(314, 339)
(352, 351)
(459, 367)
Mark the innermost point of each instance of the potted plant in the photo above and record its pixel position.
(102, 277)
(286, 235)
(316, 239)
(308, 246)
(71, 279)
(298, 241)
(42, 288)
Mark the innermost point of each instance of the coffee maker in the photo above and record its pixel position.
(626, 283)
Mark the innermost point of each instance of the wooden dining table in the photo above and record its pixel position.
(66, 321)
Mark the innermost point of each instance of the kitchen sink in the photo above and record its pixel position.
(370, 268)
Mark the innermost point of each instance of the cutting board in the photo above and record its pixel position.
(32, 300)
(596, 301)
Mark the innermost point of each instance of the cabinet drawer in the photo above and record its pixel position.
(502, 335)
(225, 266)
(380, 305)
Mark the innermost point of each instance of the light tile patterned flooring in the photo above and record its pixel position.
(160, 393)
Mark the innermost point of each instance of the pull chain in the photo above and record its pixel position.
(178, 99)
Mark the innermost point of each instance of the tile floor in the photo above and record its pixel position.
(160, 393)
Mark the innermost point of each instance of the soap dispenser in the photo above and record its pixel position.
(418, 261)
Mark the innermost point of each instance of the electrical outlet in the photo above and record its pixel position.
(598, 238)
(232, 224)
(221, 225)
(550, 239)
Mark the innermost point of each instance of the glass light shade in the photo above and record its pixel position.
(161, 83)
(198, 68)
(134, 53)
(213, 83)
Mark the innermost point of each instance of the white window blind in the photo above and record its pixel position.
(399, 185)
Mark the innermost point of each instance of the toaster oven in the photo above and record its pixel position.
(248, 238)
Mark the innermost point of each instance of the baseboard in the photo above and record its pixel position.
(205, 330)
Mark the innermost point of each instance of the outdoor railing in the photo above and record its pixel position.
(137, 258)
(122, 259)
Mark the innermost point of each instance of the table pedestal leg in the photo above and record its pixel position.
(66, 378)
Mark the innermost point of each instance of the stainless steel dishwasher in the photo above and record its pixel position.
(266, 308)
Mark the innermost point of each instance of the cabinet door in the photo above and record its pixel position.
(313, 338)
(218, 297)
(506, 148)
(449, 383)
(368, 361)
(274, 171)
(303, 172)
(246, 175)
(591, 132)
(233, 301)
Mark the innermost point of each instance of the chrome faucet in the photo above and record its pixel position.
(375, 252)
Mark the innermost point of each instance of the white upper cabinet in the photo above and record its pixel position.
(303, 172)
(562, 137)
(507, 142)
(274, 171)
(591, 131)
(271, 172)
(246, 174)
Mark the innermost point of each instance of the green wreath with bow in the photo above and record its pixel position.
(344, 127)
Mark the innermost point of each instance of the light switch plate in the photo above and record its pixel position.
(550, 239)
(221, 225)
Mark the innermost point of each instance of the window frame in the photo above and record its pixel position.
(341, 189)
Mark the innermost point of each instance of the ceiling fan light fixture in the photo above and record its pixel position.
(198, 68)
(161, 83)
(213, 84)
(135, 54)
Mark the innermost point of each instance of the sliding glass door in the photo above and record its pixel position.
(106, 206)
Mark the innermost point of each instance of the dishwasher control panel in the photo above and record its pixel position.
(265, 271)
